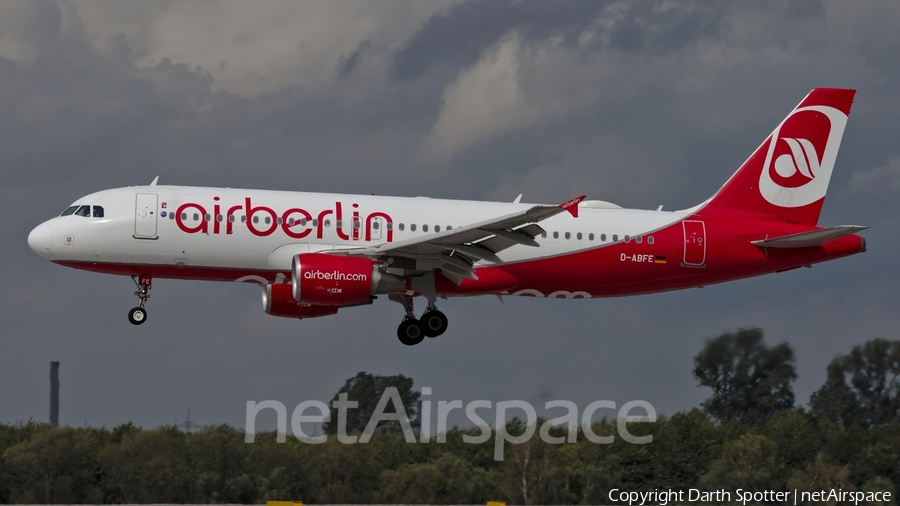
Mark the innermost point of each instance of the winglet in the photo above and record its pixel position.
(153, 183)
(572, 205)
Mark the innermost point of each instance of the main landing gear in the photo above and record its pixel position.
(413, 331)
(138, 315)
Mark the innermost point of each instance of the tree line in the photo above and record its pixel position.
(748, 434)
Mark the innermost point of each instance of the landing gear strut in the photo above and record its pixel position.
(138, 315)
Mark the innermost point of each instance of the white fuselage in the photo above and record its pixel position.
(215, 227)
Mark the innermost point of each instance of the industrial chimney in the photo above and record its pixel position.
(54, 394)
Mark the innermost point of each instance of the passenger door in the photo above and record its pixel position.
(145, 208)
(694, 243)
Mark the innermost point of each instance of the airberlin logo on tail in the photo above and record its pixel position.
(802, 160)
(800, 156)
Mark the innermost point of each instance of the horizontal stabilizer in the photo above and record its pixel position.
(808, 239)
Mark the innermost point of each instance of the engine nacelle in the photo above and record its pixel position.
(340, 280)
(278, 300)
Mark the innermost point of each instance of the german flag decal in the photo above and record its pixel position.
(659, 259)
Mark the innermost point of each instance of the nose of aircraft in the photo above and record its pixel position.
(39, 240)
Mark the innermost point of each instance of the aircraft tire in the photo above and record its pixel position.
(434, 323)
(137, 316)
(410, 332)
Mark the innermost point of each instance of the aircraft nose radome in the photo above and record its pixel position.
(39, 240)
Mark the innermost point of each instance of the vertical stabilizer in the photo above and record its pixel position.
(787, 176)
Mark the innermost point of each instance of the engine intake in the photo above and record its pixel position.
(279, 301)
(340, 280)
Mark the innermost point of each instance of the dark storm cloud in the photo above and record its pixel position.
(459, 36)
(684, 93)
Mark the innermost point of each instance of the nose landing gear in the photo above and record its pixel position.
(138, 315)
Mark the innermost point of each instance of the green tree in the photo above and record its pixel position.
(147, 466)
(56, 466)
(820, 474)
(750, 380)
(748, 462)
(445, 480)
(366, 389)
(221, 461)
(863, 387)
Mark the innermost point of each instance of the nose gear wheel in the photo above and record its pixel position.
(138, 315)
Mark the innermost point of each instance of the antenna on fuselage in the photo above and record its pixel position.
(154, 181)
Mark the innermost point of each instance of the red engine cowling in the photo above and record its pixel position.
(340, 280)
(278, 300)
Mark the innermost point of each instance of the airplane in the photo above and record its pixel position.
(313, 254)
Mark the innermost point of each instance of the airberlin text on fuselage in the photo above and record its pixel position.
(295, 222)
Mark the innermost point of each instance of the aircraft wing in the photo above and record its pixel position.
(456, 250)
(807, 239)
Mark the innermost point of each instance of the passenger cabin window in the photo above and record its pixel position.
(591, 236)
(638, 239)
(69, 210)
(98, 212)
(424, 228)
(650, 240)
(400, 226)
(83, 211)
(615, 237)
(568, 235)
(603, 237)
(578, 236)
(412, 227)
(556, 235)
(437, 228)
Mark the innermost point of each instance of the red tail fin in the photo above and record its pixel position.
(787, 176)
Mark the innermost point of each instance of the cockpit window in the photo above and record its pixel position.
(69, 211)
(83, 211)
(98, 212)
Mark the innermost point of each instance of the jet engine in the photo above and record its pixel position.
(279, 301)
(340, 280)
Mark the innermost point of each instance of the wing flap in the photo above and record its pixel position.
(809, 239)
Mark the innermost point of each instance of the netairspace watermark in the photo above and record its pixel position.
(664, 497)
(392, 396)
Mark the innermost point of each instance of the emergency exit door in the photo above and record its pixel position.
(145, 215)
(694, 243)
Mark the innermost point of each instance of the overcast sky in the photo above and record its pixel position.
(639, 103)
